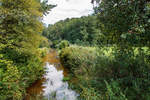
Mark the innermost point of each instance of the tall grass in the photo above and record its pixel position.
(109, 73)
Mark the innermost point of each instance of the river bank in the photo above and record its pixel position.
(53, 68)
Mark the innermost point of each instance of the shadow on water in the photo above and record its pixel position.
(54, 69)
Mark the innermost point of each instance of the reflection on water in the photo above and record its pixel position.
(51, 85)
(55, 87)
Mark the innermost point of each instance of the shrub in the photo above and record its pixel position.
(126, 72)
(17, 71)
(63, 44)
(43, 51)
(9, 81)
(75, 56)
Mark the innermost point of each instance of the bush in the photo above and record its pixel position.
(63, 44)
(18, 71)
(44, 42)
(10, 78)
(43, 51)
(75, 56)
(113, 73)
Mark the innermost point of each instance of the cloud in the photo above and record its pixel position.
(68, 9)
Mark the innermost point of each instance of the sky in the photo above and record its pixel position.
(68, 9)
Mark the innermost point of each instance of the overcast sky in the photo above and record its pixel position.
(68, 9)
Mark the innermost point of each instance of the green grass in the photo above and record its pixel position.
(103, 73)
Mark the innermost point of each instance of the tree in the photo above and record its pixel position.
(81, 31)
(20, 38)
(126, 20)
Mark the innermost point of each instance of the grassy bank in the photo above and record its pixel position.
(105, 74)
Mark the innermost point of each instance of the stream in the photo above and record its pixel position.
(51, 86)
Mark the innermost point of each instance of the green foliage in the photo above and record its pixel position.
(125, 21)
(63, 44)
(43, 51)
(114, 92)
(44, 42)
(90, 94)
(10, 78)
(20, 59)
(126, 73)
(119, 69)
(75, 56)
(66, 78)
(45, 7)
(81, 31)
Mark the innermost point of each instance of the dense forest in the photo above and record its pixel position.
(80, 31)
(107, 54)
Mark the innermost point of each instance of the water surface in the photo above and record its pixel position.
(55, 88)
(51, 85)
